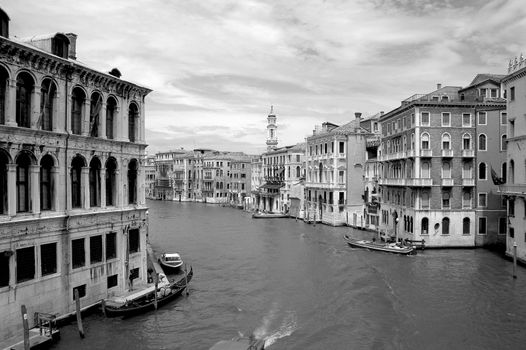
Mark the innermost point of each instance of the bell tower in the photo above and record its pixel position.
(272, 130)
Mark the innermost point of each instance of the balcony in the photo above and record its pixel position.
(447, 153)
(325, 185)
(426, 153)
(447, 182)
(468, 153)
(420, 182)
(411, 153)
(514, 189)
(392, 182)
(468, 182)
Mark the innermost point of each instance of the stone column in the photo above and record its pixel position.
(56, 123)
(102, 121)
(67, 182)
(11, 189)
(140, 186)
(34, 177)
(103, 188)
(10, 116)
(84, 187)
(119, 189)
(86, 118)
(35, 107)
(55, 186)
(118, 125)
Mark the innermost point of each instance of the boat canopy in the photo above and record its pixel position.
(172, 257)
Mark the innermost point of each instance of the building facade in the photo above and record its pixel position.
(72, 149)
(239, 184)
(515, 187)
(430, 173)
(334, 186)
(149, 177)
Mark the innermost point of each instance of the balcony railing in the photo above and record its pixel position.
(392, 182)
(420, 182)
(448, 153)
(426, 153)
(411, 153)
(513, 189)
(468, 182)
(447, 182)
(468, 153)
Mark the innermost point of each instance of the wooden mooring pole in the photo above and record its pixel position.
(79, 316)
(514, 259)
(155, 293)
(26, 327)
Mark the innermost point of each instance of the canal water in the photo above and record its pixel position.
(300, 286)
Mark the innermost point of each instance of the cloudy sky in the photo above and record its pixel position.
(216, 66)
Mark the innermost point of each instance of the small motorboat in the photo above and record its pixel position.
(171, 262)
(260, 215)
(384, 247)
(240, 344)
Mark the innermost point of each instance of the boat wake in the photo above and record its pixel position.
(287, 327)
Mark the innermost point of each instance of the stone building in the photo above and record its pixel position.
(72, 196)
(430, 174)
(515, 187)
(334, 186)
(149, 177)
(239, 180)
(216, 170)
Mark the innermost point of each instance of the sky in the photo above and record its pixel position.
(216, 66)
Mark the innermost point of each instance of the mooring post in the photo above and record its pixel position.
(186, 279)
(79, 316)
(155, 293)
(26, 327)
(103, 305)
(514, 259)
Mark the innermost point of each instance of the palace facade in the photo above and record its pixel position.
(72, 196)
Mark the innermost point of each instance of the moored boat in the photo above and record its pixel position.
(146, 302)
(384, 247)
(171, 262)
(260, 215)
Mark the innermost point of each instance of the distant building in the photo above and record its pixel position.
(149, 177)
(335, 161)
(72, 195)
(515, 187)
(239, 180)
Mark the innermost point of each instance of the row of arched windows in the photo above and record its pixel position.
(446, 222)
(25, 166)
(25, 88)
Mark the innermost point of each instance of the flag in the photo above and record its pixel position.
(496, 179)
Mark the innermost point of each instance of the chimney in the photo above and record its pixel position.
(439, 86)
(381, 112)
(358, 115)
(72, 45)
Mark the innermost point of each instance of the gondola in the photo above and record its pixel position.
(147, 302)
(269, 216)
(384, 247)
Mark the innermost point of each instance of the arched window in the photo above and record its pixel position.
(76, 181)
(445, 226)
(132, 182)
(466, 170)
(111, 109)
(4, 77)
(298, 171)
(46, 184)
(320, 169)
(503, 143)
(425, 141)
(446, 170)
(133, 116)
(47, 96)
(446, 141)
(466, 226)
(482, 142)
(425, 226)
(503, 172)
(425, 200)
(466, 141)
(4, 161)
(94, 182)
(77, 110)
(426, 173)
(466, 199)
(94, 114)
(482, 171)
(24, 88)
(512, 172)
(23, 162)
(446, 199)
(111, 169)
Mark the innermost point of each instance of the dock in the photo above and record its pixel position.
(40, 336)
